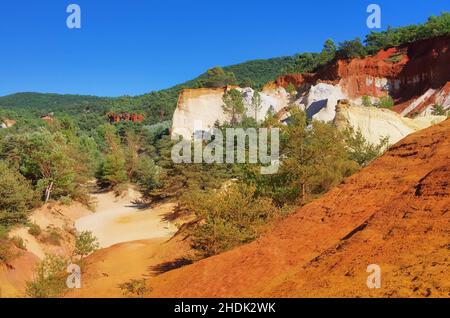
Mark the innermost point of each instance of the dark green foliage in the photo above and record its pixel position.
(85, 244)
(16, 196)
(351, 49)
(438, 110)
(217, 77)
(435, 26)
(362, 151)
(147, 175)
(233, 105)
(228, 218)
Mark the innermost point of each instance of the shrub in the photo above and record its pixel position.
(49, 278)
(366, 101)
(18, 242)
(438, 110)
(386, 102)
(66, 200)
(135, 287)
(360, 150)
(147, 175)
(52, 237)
(6, 253)
(228, 218)
(34, 229)
(395, 58)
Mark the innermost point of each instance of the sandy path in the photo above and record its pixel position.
(118, 220)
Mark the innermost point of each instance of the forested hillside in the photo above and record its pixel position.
(89, 111)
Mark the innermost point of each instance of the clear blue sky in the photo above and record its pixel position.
(136, 46)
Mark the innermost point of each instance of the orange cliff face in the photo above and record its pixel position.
(394, 213)
(404, 72)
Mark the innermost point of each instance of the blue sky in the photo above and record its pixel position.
(136, 46)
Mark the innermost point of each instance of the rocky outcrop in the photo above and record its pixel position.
(320, 101)
(203, 107)
(7, 123)
(416, 75)
(133, 117)
(405, 73)
(376, 123)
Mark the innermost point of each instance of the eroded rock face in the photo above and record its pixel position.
(320, 102)
(376, 123)
(416, 75)
(406, 73)
(204, 107)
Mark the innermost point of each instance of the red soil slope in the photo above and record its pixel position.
(394, 213)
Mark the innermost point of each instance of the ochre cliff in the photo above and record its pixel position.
(406, 73)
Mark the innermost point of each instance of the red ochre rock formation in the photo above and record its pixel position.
(405, 72)
(394, 213)
(133, 117)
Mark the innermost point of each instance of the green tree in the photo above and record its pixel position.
(360, 150)
(228, 218)
(147, 175)
(351, 49)
(85, 244)
(233, 105)
(217, 77)
(256, 104)
(16, 196)
(328, 52)
(112, 170)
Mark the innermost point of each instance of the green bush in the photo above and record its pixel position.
(52, 237)
(385, 102)
(438, 110)
(367, 101)
(227, 218)
(6, 253)
(360, 150)
(49, 278)
(65, 200)
(18, 242)
(135, 288)
(34, 229)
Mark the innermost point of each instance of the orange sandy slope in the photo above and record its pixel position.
(394, 213)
